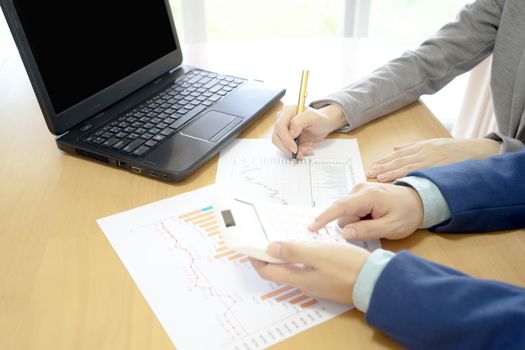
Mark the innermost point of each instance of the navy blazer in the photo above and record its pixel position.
(483, 195)
(425, 305)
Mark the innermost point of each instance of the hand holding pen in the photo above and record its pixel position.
(299, 127)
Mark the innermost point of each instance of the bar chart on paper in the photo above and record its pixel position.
(254, 168)
(176, 255)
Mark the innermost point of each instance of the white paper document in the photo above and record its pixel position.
(205, 295)
(257, 169)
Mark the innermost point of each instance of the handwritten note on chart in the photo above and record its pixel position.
(255, 168)
(205, 295)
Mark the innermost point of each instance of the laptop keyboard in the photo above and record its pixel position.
(148, 125)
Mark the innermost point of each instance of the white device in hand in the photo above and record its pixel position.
(249, 227)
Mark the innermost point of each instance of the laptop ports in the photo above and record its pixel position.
(153, 174)
(122, 164)
(136, 169)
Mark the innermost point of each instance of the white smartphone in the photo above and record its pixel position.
(249, 227)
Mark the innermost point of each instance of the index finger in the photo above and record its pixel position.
(333, 212)
(348, 206)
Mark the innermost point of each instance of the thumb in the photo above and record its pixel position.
(365, 229)
(298, 252)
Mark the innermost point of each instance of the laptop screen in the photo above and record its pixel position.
(81, 48)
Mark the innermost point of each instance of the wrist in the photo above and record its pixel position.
(335, 116)
(359, 259)
(435, 207)
(492, 148)
(418, 206)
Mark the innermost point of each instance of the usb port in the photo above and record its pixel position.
(153, 174)
(122, 164)
(136, 170)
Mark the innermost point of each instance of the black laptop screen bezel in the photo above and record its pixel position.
(94, 104)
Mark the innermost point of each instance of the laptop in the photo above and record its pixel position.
(110, 81)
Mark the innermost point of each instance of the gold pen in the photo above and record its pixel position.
(300, 104)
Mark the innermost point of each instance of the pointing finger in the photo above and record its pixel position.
(352, 205)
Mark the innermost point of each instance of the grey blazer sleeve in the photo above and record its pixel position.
(509, 144)
(456, 48)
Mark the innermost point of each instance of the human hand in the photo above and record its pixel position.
(312, 124)
(430, 153)
(323, 270)
(374, 210)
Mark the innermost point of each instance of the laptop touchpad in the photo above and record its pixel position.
(212, 125)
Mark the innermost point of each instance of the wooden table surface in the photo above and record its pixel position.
(62, 285)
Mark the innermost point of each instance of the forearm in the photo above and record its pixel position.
(422, 304)
(456, 48)
(482, 195)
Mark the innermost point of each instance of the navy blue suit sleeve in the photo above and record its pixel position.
(425, 305)
(483, 195)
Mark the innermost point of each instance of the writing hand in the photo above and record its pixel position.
(312, 124)
(374, 211)
(324, 270)
(429, 153)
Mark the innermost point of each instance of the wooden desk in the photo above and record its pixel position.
(62, 285)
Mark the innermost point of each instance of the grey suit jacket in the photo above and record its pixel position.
(481, 28)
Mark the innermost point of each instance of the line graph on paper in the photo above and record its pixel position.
(196, 285)
(206, 295)
(204, 220)
(309, 182)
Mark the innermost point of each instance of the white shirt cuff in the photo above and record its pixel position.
(368, 276)
(435, 207)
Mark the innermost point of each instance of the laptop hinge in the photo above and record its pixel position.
(171, 71)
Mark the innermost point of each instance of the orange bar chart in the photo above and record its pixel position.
(210, 223)
(200, 216)
(184, 216)
(206, 221)
(230, 254)
(299, 299)
(276, 292)
(290, 294)
(225, 253)
(221, 249)
(287, 296)
(236, 256)
(309, 303)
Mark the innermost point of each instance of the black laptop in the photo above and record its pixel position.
(111, 84)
